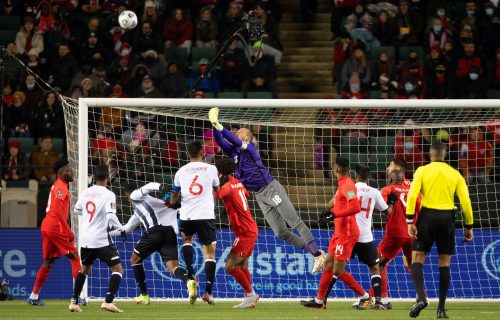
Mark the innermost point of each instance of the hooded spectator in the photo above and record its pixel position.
(147, 89)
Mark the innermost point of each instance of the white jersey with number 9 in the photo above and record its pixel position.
(369, 199)
(196, 181)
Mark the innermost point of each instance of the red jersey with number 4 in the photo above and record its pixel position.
(56, 217)
(345, 207)
(396, 226)
(234, 195)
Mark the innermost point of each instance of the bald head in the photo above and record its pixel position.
(437, 151)
(244, 135)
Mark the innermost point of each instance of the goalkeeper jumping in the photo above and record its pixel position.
(270, 195)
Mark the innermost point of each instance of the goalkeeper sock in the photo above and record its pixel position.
(79, 282)
(140, 278)
(417, 274)
(188, 253)
(210, 274)
(181, 274)
(327, 279)
(75, 266)
(349, 281)
(114, 284)
(242, 279)
(41, 277)
(444, 284)
(376, 283)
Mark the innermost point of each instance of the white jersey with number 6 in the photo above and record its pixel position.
(370, 199)
(196, 181)
(94, 204)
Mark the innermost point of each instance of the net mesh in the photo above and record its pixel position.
(144, 144)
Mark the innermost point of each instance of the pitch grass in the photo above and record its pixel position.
(58, 309)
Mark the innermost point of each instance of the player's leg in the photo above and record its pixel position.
(88, 257)
(187, 233)
(445, 242)
(207, 235)
(110, 256)
(75, 262)
(368, 255)
(325, 282)
(140, 278)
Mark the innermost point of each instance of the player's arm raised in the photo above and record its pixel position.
(143, 191)
(218, 128)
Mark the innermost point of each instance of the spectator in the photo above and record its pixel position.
(469, 16)
(147, 39)
(33, 95)
(115, 9)
(452, 153)
(85, 90)
(472, 86)
(16, 163)
(492, 72)
(448, 53)
(93, 26)
(440, 82)
(47, 21)
(436, 36)
(488, 29)
(151, 15)
(353, 90)
(210, 147)
(209, 83)
(412, 84)
(13, 71)
(178, 31)
(341, 9)
(104, 143)
(173, 84)
(63, 68)
(18, 118)
(342, 48)
(359, 64)
(262, 75)
(147, 89)
(476, 157)
(50, 118)
(122, 64)
(28, 38)
(171, 150)
(34, 62)
(86, 72)
(8, 94)
(410, 152)
(43, 159)
(113, 117)
(493, 128)
(206, 29)
(231, 21)
(383, 73)
(433, 60)
(468, 59)
(234, 68)
(271, 28)
(384, 29)
(157, 70)
(409, 24)
(94, 51)
(358, 18)
(136, 76)
(356, 117)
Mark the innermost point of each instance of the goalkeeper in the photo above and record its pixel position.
(270, 195)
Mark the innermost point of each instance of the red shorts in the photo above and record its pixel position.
(55, 245)
(341, 247)
(244, 246)
(390, 247)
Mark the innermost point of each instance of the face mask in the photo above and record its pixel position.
(473, 76)
(471, 13)
(441, 14)
(409, 87)
(354, 87)
(490, 11)
(437, 28)
(409, 145)
(125, 52)
(30, 86)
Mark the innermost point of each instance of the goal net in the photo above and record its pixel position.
(144, 140)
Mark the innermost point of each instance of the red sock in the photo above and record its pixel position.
(383, 274)
(349, 280)
(240, 276)
(248, 275)
(324, 283)
(75, 266)
(41, 277)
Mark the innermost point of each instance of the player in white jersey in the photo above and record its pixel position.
(159, 218)
(195, 183)
(97, 206)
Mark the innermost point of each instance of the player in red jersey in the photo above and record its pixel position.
(57, 237)
(346, 233)
(234, 195)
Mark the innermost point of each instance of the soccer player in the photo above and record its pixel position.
(57, 237)
(234, 195)
(160, 222)
(97, 206)
(196, 182)
(438, 182)
(345, 236)
(270, 195)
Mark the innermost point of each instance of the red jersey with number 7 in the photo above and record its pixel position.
(235, 197)
(57, 211)
(396, 226)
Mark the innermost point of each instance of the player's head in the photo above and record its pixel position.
(396, 176)
(225, 166)
(396, 164)
(194, 151)
(63, 170)
(127, 190)
(437, 151)
(341, 167)
(101, 174)
(362, 173)
(245, 135)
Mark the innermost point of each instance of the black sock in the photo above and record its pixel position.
(444, 284)
(330, 288)
(114, 284)
(376, 283)
(417, 274)
(210, 273)
(181, 274)
(140, 278)
(188, 253)
(79, 282)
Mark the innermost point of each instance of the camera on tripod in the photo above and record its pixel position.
(254, 26)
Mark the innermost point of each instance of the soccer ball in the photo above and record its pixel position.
(127, 20)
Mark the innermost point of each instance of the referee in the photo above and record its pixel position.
(438, 182)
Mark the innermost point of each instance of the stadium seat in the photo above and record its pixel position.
(231, 95)
(353, 145)
(179, 55)
(260, 95)
(377, 50)
(403, 53)
(10, 23)
(356, 158)
(7, 36)
(493, 94)
(199, 53)
(374, 94)
(379, 161)
(382, 144)
(26, 144)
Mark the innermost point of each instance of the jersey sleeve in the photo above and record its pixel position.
(465, 203)
(78, 209)
(110, 205)
(385, 193)
(353, 206)
(142, 192)
(411, 201)
(381, 203)
(215, 177)
(61, 195)
(223, 192)
(132, 223)
(177, 182)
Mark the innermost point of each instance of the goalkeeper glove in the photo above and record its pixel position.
(213, 116)
(326, 218)
(392, 198)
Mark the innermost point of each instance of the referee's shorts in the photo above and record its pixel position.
(435, 226)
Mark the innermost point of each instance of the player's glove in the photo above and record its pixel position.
(391, 199)
(326, 218)
(213, 116)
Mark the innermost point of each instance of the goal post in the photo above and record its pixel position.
(298, 141)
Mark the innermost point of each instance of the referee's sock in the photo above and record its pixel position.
(188, 253)
(79, 282)
(417, 274)
(444, 284)
(140, 277)
(210, 273)
(181, 274)
(114, 284)
(376, 282)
